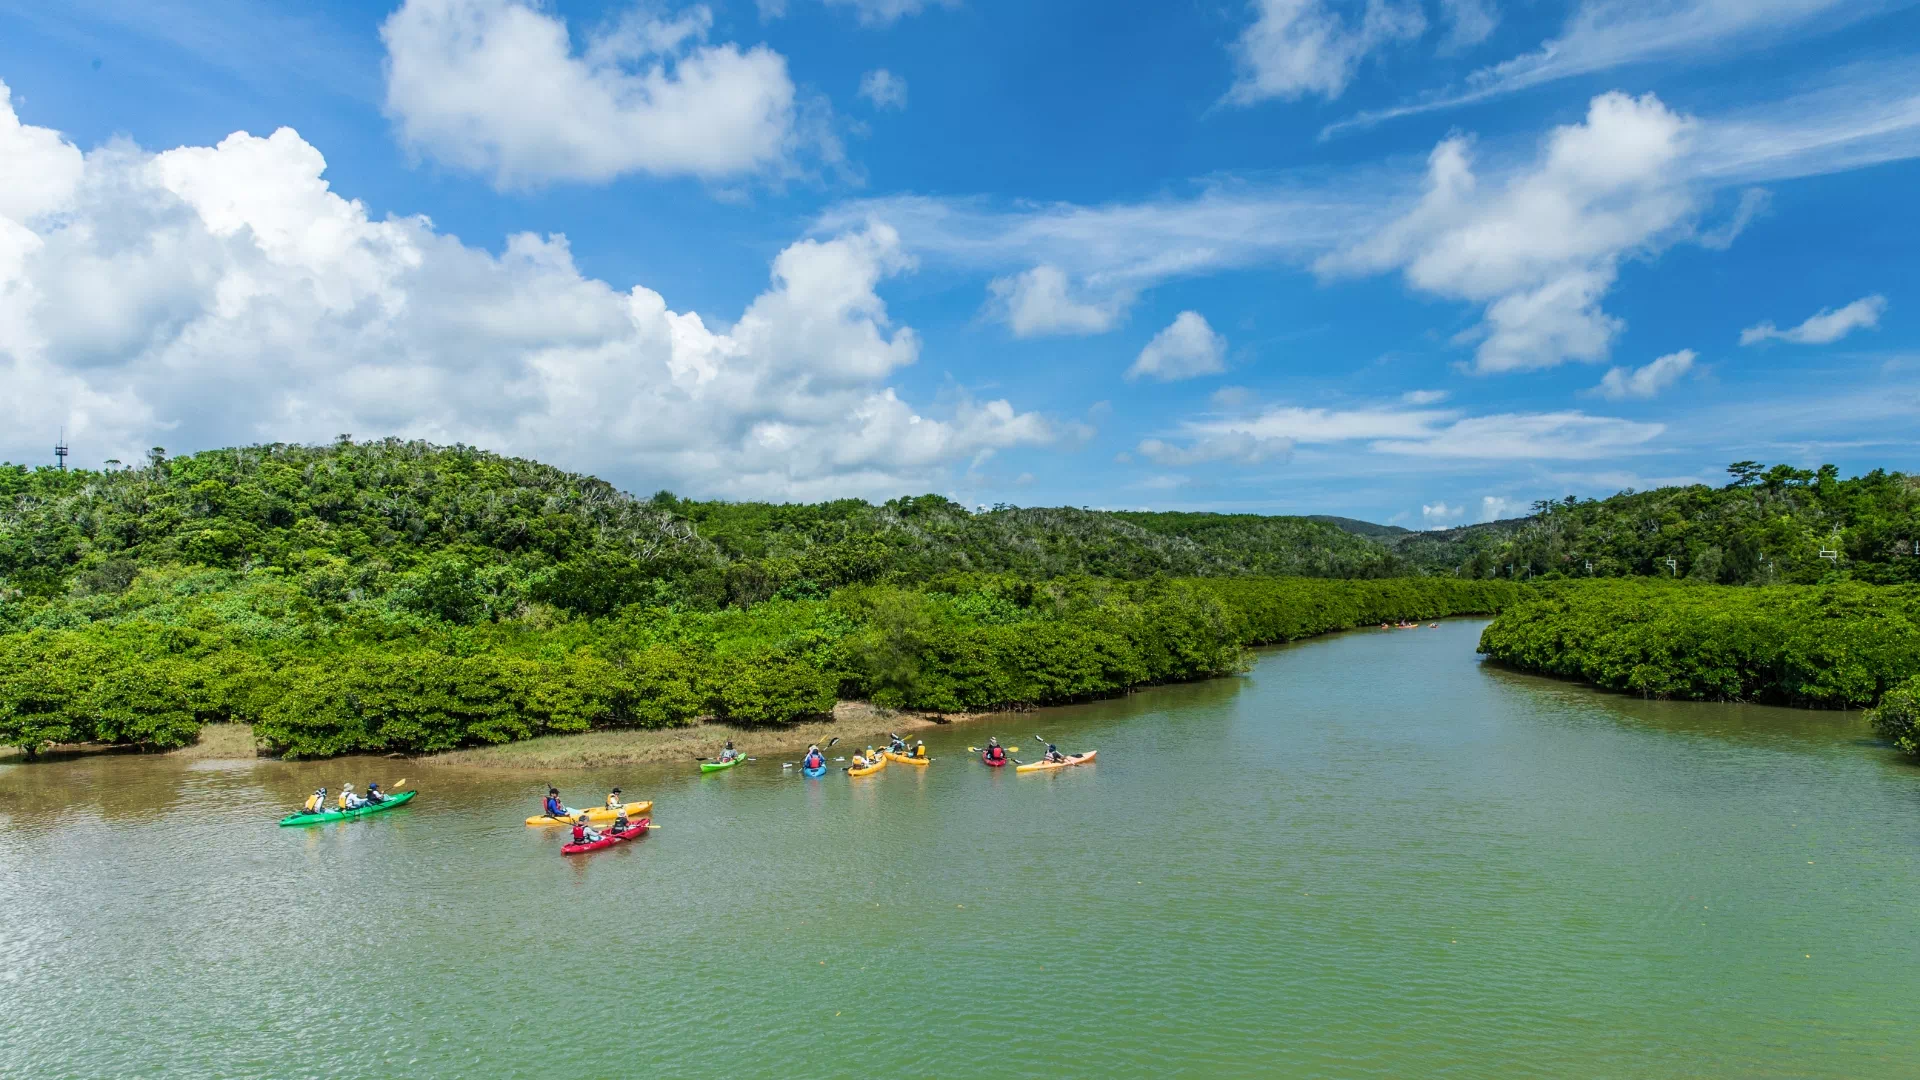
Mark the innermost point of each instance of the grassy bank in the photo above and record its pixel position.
(854, 723)
(213, 742)
(1825, 646)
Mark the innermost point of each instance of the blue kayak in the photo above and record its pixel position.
(821, 771)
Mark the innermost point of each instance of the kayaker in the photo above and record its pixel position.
(919, 749)
(374, 798)
(815, 759)
(552, 807)
(348, 800)
(728, 753)
(898, 745)
(614, 801)
(1053, 754)
(584, 833)
(620, 822)
(316, 803)
(996, 752)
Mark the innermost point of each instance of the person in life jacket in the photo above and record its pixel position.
(614, 800)
(584, 833)
(815, 759)
(348, 800)
(374, 797)
(728, 753)
(898, 745)
(919, 749)
(552, 807)
(1053, 754)
(995, 752)
(620, 821)
(316, 803)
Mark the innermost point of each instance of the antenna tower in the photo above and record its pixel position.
(60, 450)
(1832, 554)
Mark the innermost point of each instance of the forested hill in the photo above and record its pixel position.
(468, 533)
(1765, 526)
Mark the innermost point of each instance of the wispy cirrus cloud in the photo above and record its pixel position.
(1566, 435)
(869, 12)
(1601, 35)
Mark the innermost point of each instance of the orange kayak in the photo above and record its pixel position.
(878, 764)
(1048, 766)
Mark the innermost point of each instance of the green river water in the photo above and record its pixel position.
(1373, 856)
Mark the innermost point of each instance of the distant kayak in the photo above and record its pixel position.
(879, 763)
(716, 766)
(1045, 766)
(387, 803)
(634, 832)
(985, 760)
(594, 813)
(906, 759)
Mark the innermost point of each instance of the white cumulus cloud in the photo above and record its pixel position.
(1298, 47)
(496, 87)
(1496, 507)
(1825, 327)
(1542, 248)
(208, 296)
(1644, 382)
(1041, 301)
(1440, 513)
(1187, 348)
(884, 89)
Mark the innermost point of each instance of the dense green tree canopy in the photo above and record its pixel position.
(403, 596)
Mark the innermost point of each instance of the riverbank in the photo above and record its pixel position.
(216, 742)
(854, 723)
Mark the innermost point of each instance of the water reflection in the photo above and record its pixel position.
(1731, 721)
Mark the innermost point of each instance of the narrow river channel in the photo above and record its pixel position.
(1371, 856)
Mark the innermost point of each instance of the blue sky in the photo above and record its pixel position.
(1419, 261)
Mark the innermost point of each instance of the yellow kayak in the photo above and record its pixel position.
(906, 759)
(594, 813)
(1044, 766)
(878, 764)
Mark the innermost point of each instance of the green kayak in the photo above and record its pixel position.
(388, 803)
(716, 766)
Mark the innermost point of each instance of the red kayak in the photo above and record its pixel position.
(634, 832)
(985, 760)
